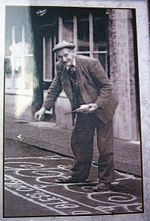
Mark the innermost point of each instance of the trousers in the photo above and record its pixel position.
(82, 147)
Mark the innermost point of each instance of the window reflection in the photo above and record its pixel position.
(83, 48)
(99, 33)
(85, 54)
(102, 58)
(47, 58)
(83, 33)
(68, 29)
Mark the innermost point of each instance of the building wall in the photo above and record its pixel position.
(122, 72)
(19, 106)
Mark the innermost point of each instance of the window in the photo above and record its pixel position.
(19, 62)
(47, 58)
(89, 33)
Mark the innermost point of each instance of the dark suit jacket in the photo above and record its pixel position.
(94, 85)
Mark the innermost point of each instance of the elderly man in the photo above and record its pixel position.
(93, 105)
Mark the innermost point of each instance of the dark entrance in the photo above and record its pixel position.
(45, 36)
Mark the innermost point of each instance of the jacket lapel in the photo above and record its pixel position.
(79, 73)
(66, 83)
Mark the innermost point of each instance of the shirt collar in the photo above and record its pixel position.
(74, 62)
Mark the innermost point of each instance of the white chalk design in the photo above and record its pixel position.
(33, 179)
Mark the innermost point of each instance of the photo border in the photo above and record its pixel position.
(144, 89)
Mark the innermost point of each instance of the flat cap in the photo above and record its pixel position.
(63, 44)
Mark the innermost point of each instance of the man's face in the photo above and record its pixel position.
(65, 56)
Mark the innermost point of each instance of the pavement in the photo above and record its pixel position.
(31, 189)
(48, 136)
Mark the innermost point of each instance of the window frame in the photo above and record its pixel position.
(91, 52)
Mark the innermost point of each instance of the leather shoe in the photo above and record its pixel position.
(69, 179)
(102, 187)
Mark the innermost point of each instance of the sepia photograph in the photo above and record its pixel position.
(72, 144)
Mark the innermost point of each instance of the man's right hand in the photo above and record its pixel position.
(40, 114)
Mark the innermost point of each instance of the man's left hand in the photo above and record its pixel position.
(87, 108)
